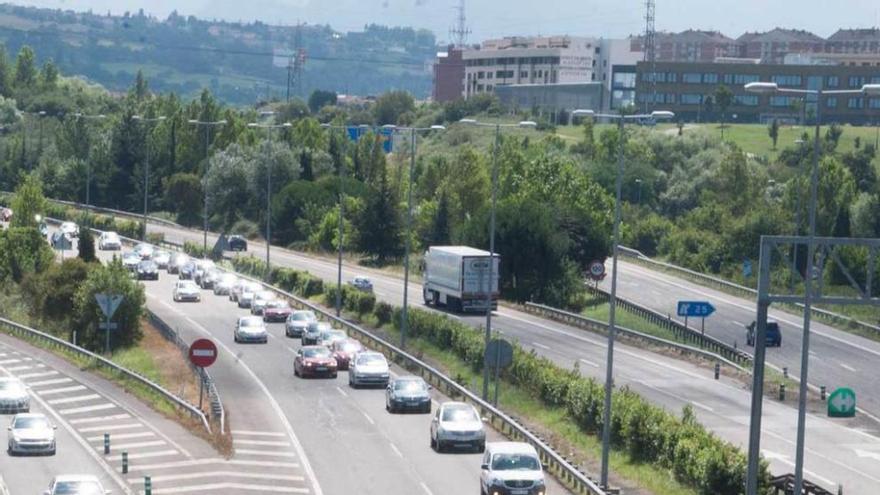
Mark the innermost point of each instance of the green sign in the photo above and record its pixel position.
(842, 403)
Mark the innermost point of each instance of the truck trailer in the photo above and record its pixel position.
(458, 277)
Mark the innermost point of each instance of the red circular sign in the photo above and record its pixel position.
(202, 353)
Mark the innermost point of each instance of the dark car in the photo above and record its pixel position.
(344, 350)
(312, 334)
(314, 360)
(408, 393)
(773, 338)
(148, 270)
(187, 271)
(237, 243)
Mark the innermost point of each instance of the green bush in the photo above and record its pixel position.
(297, 282)
(383, 312)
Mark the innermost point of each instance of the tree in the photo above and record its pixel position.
(378, 225)
(28, 201)
(86, 246)
(5, 73)
(723, 98)
(832, 136)
(319, 99)
(773, 131)
(390, 106)
(49, 75)
(51, 294)
(140, 90)
(110, 279)
(865, 216)
(25, 68)
(23, 251)
(439, 235)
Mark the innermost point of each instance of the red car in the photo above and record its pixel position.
(343, 350)
(314, 360)
(276, 310)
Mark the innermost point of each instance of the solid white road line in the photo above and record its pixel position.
(427, 490)
(78, 410)
(98, 419)
(149, 455)
(265, 443)
(258, 433)
(79, 398)
(589, 363)
(220, 487)
(122, 436)
(847, 367)
(342, 392)
(396, 450)
(541, 346)
(218, 474)
(51, 391)
(369, 418)
(56, 381)
(266, 453)
(137, 445)
(108, 428)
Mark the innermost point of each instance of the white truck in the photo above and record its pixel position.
(458, 277)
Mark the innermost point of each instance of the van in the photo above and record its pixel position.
(511, 468)
(774, 334)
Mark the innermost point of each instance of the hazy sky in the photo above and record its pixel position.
(490, 18)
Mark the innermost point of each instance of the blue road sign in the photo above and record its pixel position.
(385, 136)
(747, 268)
(698, 309)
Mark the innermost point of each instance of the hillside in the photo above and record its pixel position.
(239, 63)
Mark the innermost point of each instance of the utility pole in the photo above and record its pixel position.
(207, 125)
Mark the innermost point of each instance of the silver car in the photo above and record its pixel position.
(31, 433)
(457, 424)
(251, 329)
(224, 284)
(162, 258)
(328, 337)
(14, 397)
(177, 260)
(186, 290)
(260, 300)
(144, 250)
(298, 322)
(109, 241)
(368, 368)
(312, 333)
(246, 297)
(75, 484)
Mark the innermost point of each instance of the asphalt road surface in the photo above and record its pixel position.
(838, 452)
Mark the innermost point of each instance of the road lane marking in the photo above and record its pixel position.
(79, 398)
(137, 445)
(426, 489)
(56, 381)
(74, 388)
(847, 367)
(106, 428)
(541, 346)
(205, 462)
(10, 361)
(220, 487)
(122, 436)
(150, 455)
(264, 453)
(257, 433)
(396, 450)
(265, 443)
(368, 418)
(37, 375)
(589, 363)
(84, 409)
(339, 389)
(23, 368)
(98, 419)
(670, 394)
(218, 474)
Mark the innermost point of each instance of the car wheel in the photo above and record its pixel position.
(440, 447)
(428, 408)
(52, 452)
(235, 338)
(433, 444)
(295, 371)
(481, 447)
(333, 375)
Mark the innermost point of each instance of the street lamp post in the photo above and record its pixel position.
(639, 200)
(269, 128)
(404, 321)
(145, 120)
(526, 124)
(88, 161)
(612, 300)
(767, 88)
(341, 226)
(207, 125)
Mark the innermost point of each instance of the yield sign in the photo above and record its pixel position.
(108, 303)
(842, 403)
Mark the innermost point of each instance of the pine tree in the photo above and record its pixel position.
(440, 226)
(86, 246)
(140, 88)
(25, 68)
(305, 161)
(5, 73)
(379, 223)
(49, 75)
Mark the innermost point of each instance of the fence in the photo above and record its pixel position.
(22, 330)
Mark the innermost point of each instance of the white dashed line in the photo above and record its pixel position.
(222, 487)
(343, 392)
(368, 418)
(56, 381)
(61, 390)
(396, 450)
(425, 487)
(264, 453)
(541, 346)
(137, 445)
(79, 398)
(847, 367)
(122, 436)
(218, 474)
(264, 443)
(589, 363)
(98, 419)
(149, 455)
(205, 462)
(37, 375)
(258, 433)
(106, 428)
(78, 410)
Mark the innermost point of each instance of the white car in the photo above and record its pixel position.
(251, 329)
(75, 484)
(457, 424)
(223, 285)
(246, 297)
(368, 368)
(511, 467)
(31, 433)
(328, 337)
(186, 290)
(109, 241)
(144, 250)
(69, 229)
(14, 396)
(162, 258)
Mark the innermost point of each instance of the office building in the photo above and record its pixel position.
(448, 83)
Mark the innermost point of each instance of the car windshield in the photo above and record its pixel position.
(514, 462)
(30, 423)
(303, 316)
(410, 386)
(315, 352)
(318, 327)
(457, 414)
(228, 278)
(162, 254)
(371, 359)
(147, 265)
(187, 285)
(78, 488)
(251, 322)
(276, 304)
(130, 256)
(349, 346)
(264, 295)
(111, 236)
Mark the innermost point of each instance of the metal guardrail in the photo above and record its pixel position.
(689, 335)
(18, 329)
(555, 463)
(785, 485)
(591, 324)
(748, 291)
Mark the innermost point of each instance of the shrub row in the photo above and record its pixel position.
(646, 432)
(353, 300)
(297, 282)
(125, 228)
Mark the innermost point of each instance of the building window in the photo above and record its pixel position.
(489, 75)
(480, 88)
(671, 77)
(710, 78)
(856, 81)
(691, 99)
(833, 81)
(831, 102)
(787, 80)
(875, 80)
(524, 74)
(746, 100)
(691, 78)
(874, 103)
(780, 101)
(481, 75)
(856, 103)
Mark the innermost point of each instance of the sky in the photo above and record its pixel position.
(495, 18)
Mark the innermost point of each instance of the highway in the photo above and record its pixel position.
(722, 406)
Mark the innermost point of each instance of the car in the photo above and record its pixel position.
(144, 250)
(187, 271)
(76, 484)
(328, 337)
(237, 288)
(223, 284)
(237, 243)
(208, 277)
(131, 261)
(773, 337)
(44, 229)
(61, 241)
(261, 299)
(362, 283)
(69, 229)
(343, 350)
(109, 241)
(177, 260)
(186, 290)
(14, 396)
(312, 334)
(457, 424)
(298, 321)
(408, 393)
(246, 298)
(511, 468)
(147, 270)
(162, 258)
(250, 329)
(31, 434)
(5, 214)
(314, 360)
(368, 368)
(276, 310)
(202, 266)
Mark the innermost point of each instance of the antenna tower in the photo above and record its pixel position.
(459, 33)
(650, 47)
(295, 63)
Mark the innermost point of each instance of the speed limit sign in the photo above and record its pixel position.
(597, 270)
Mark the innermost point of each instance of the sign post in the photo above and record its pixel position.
(202, 353)
(109, 303)
(700, 309)
(499, 354)
(842, 403)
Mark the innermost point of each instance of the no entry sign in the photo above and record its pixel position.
(202, 353)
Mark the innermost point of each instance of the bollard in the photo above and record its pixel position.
(106, 444)
(822, 393)
(148, 486)
(124, 462)
(717, 370)
(839, 489)
(785, 373)
(782, 391)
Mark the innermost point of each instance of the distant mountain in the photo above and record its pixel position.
(240, 63)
